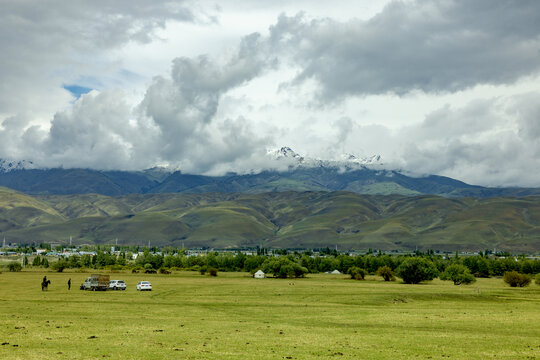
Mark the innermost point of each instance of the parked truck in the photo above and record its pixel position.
(96, 282)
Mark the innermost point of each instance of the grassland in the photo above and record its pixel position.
(232, 316)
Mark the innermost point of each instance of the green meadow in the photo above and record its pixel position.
(233, 316)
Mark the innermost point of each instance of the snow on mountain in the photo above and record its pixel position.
(12, 165)
(284, 153)
(345, 162)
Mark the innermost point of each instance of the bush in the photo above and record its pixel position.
(60, 265)
(202, 270)
(459, 274)
(212, 271)
(415, 270)
(515, 279)
(386, 273)
(537, 279)
(357, 273)
(163, 270)
(14, 266)
(114, 268)
(149, 269)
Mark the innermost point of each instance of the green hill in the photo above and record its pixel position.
(275, 219)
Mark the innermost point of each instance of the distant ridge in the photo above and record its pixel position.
(297, 173)
(361, 181)
(275, 220)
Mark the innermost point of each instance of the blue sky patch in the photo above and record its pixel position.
(77, 90)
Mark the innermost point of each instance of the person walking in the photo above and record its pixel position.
(69, 284)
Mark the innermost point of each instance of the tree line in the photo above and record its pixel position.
(296, 263)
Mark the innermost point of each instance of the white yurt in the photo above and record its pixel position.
(259, 275)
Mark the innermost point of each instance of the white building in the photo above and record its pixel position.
(259, 275)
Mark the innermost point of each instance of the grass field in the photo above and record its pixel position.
(232, 316)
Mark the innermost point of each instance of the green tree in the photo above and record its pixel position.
(202, 270)
(386, 273)
(74, 261)
(60, 265)
(414, 270)
(86, 260)
(36, 261)
(45, 263)
(357, 273)
(15, 266)
(148, 268)
(459, 274)
(283, 267)
(537, 279)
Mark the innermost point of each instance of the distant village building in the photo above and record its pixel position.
(259, 275)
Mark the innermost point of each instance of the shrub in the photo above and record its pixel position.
(537, 279)
(515, 279)
(415, 270)
(60, 265)
(14, 266)
(202, 270)
(114, 268)
(357, 273)
(149, 269)
(163, 270)
(386, 273)
(212, 271)
(459, 274)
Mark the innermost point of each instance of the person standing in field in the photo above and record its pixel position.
(69, 284)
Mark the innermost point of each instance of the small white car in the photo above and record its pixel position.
(144, 286)
(117, 285)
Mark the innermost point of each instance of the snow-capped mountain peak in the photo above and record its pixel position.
(371, 160)
(284, 153)
(345, 161)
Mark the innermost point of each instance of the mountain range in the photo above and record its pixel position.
(276, 219)
(352, 203)
(351, 173)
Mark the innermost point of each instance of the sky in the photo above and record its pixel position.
(449, 87)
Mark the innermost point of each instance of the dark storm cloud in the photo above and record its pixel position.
(442, 46)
